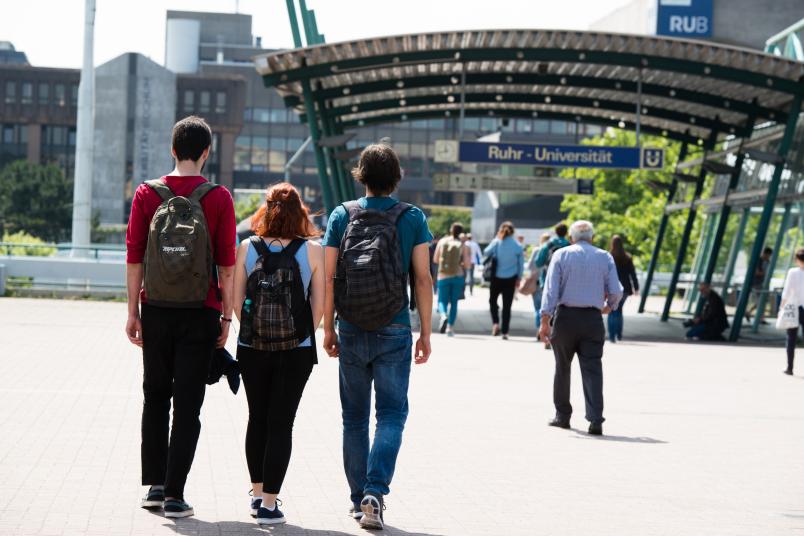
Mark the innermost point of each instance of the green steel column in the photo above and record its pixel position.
(736, 244)
(657, 248)
(294, 24)
(762, 299)
(764, 220)
(346, 173)
(335, 165)
(703, 262)
(682, 250)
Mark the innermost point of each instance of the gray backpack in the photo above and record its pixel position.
(370, 280)
(178, 257)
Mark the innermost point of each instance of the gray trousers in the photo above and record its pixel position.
(578, 331)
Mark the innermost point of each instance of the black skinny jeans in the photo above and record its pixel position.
(274, 383)
(178, 345)
(506, 287)
(792, 336)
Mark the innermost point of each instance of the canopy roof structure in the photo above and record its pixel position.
(691, 91)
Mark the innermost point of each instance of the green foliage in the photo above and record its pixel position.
(36, 199)
(29, 245)
(624, 204)
(441, 218)
(247, 206)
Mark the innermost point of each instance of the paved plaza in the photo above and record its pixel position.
(701, 440)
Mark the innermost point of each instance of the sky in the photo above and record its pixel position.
(50, 32)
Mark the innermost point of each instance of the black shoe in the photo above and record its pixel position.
(443, 326)
(270, 517)
(153, 499)
(372, 507)
(355, 512)
(788, 372)
(596, 428)
(560, 423)
(255, 504)
(177, 508)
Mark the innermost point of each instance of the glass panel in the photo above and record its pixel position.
(189, 100)
(204, 102)
(558, 127)
(11, 92)
(279, 115)
(27, 93)
(524, 125)
(472, 123)
(8, 135)
(542, 126)
(277, 144)
(261, 115)
(59, 94)
(242, 156)
(488, 124)
(276, 161)
(259, 152)
(74, 95)
(44, 93)
(220, 102)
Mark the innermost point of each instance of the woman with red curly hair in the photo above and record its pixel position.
(274, 379)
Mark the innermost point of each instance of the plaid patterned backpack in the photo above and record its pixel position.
(276, 313)
(178, 256)
(370, 280)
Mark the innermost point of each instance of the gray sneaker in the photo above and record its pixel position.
(372, 507)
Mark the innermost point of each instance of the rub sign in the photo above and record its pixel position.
(549, 155)
(684, 18)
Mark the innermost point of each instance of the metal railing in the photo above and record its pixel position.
(61, 249)
(787, 43)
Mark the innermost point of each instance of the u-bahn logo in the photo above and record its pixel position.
(652, 158)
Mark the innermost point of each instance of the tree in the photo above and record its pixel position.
(247, 206)
(441, 218)
(624, 204)
(36, 199)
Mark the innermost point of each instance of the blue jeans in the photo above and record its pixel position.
(382, 357)
(449, 292)
(615, 322)
(537, 306)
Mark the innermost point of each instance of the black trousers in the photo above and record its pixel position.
(578, 331)
(274, 383)
(506, 287)
(178, 345)
(792, 336)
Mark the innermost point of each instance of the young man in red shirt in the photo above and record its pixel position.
(177, 342)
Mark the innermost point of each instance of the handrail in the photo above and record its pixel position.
(6, 247)
(787, 43)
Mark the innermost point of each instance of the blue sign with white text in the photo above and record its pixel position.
(586, 156)
(684, 18)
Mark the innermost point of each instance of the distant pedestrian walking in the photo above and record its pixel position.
(581, 285)
(540, 260)
(279, 300)
(508, 254)
(628, 279)
(793, 294)
(453, 258)
(539, 273)
(476, 258)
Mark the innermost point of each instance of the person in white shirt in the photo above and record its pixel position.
(794, 291)
(477, 258)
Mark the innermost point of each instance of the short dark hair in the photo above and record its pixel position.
(561, 229)
(378, 169)
(191, 137)
(767, 251)
(800, 254)
(456, 229)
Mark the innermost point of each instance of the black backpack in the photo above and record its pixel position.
(276, 313)
(369, 279)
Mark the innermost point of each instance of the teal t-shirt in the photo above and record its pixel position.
(412, 230)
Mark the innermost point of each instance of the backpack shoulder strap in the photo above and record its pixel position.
(259, 245)
(294, 246)
(396, 211)
(352, 209)
(162, 189)
(201, 190)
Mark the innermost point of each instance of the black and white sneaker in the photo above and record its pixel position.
(270, 517)
(153, 499)
(372, 507)
(355, 512)
(256, 502)
(443, 327)
(177, 508)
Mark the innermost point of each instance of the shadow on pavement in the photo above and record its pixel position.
(619, 439)
(192, 526)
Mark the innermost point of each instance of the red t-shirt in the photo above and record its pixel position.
(218, 210)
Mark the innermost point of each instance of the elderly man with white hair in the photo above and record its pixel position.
(581, 286)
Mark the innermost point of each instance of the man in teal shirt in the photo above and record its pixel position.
(382, 356)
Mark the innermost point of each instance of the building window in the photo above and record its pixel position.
(259, 153)
(74, 95)
(220, 102)
(261, 115)
(59, 94)
(11, 92)
(26, 96)
(242, 156)
(44, 94)
(189, 100)
(8, 135)
(279, 115)
(203, 106)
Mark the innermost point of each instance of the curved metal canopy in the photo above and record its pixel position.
(690, 90)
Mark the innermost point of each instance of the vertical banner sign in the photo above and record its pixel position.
(684, 18)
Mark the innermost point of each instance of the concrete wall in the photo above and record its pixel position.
(111, 98)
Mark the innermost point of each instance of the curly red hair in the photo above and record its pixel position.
(283, 215)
